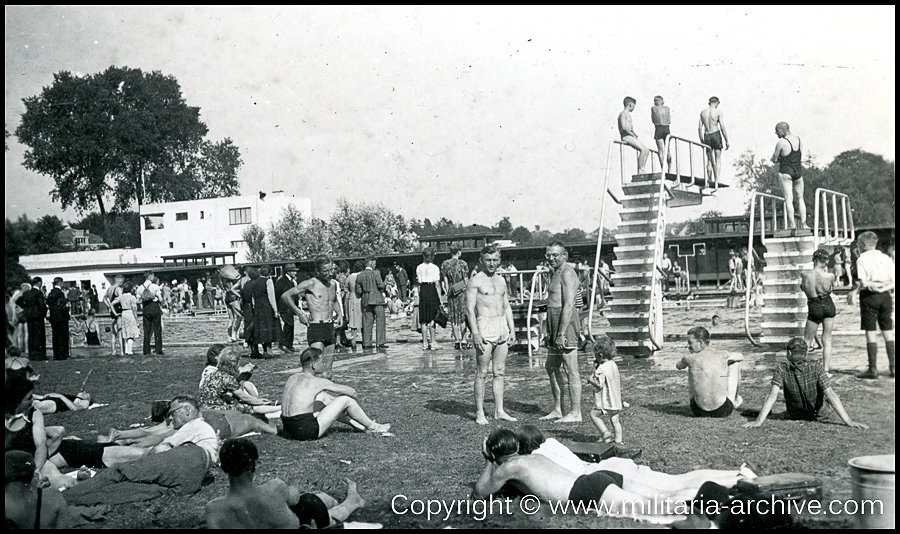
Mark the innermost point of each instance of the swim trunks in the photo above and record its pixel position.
(662, 130)
(722, 411)
(790, 164)
(820, 308)
(302, 427)
(589, 489)
(320, 333)
(494, 330)
(714, 140)
(554, 316)
(77, 452)
(311, 508)
(875, 310)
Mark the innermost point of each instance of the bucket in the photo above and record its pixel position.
(872, 479)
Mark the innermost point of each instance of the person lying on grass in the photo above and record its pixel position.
(806, 388)
(273, 504)
(537, 475)
(300, 420)
(50, 403)
(638, 479)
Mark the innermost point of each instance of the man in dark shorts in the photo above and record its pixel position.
(661, 117)
(274, 504)
(806, 387)
(713, 376)
(788, 154)
(712, 134)
(563, 337)
(298, 404)
(539, 476)
(325, 311)
(873, 288)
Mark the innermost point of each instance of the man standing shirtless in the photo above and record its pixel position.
(661, 118)
(818, 285)
(788, 153)
(299, 402)
(626, 130)
(564, 326)
(320, 294)
(712, 134)
(493, 330)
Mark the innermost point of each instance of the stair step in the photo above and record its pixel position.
(772, 310)
(789, 324)
(628, 302)
(636, 274)
(776, 268)
(785, 254)
(628, 289)
(627, 330)
(789, 240)
(612, 316)
(634, 248)
(781, 282)
(636, 261)
(637, 235)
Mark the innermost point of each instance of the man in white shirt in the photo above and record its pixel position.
(873, 287)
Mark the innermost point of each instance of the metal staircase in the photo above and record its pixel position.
(635, 315)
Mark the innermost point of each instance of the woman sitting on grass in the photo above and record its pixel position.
(222, 389)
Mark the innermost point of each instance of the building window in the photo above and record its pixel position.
(171, 244)
(153, 222)
(238, 244)
(181, 216)
(80, 241)
(201, 214)
(202, 245)
(239, 216)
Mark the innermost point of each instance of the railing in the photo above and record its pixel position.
(519, 297)
(842, 232)
(692, 147)
(537, 276)
(776, 202)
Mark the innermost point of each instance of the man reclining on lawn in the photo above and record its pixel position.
(299, 401)
(273, 504)
(538, 475)
(179, 463)
(806, 388)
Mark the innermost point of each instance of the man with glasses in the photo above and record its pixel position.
(325, 311)
(564, 325)
(491, 322)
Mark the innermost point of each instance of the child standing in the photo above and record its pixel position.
(607, 390)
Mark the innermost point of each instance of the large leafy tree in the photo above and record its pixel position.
(360, 229)
(255, 237)
(294, 237)
(126, 134)
(117, 229)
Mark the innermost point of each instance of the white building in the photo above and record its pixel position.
(214, 224)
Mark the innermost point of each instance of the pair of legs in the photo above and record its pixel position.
(876, 314)
(234, 320)
(339, 512)
(660, 147)
(872, 350)
(429, 337)
(614, 419)
(714, 163)
(643, 481)
(373, 317)
(116, 332)
(346, 406)
(790, 187)
(496, 354)
(556, 360)
(643, 152)
(809, 335)
(459, 334)
(327, 358)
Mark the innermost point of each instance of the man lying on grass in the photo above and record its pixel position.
(298, 404)
(806, 388)
(273, 504)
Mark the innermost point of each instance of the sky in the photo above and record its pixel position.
(469, 113)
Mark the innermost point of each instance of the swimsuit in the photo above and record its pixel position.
(714, 140)
(820, 308)
(790, 164)
(302, 427)
(875, 310)
(494, 330)
(662, 130)
(311, 508)
(320, 333)
(554, 316)
(77, 452)
(722, 411)
(589, 489)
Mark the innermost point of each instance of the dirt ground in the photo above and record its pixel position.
(434, 452)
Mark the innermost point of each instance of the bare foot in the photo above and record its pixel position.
(504, 416)
(481, 419)
(569, 418)
(83, 473)
(353, 496)
(555, 414)
(381, 429)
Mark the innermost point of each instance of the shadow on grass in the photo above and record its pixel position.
(573, 435)
(451, 407)
(683, 410)
(523, 408)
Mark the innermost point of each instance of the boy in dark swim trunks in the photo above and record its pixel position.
(788, 153)
(661, 118)
(714, 377)
(818, 285)
(711, 131)
(273, 504)
(299, 401)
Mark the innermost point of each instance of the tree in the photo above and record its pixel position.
(571, 235)
(540, 237)
(255, 237)
(868, 179)
(117, 229)
(293, 237)
(692, 226)
(124, 133)
(357, 230)
(45, 235)
(521, 235)
(505, 227)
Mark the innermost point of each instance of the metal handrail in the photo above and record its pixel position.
(691, 145)
(848, 230)
(762, 239)
(530, 307)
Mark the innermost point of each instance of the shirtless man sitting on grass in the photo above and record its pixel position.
(299, 400)
(273, 504)
(713, 376)
(493, 330)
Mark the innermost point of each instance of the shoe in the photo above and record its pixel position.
(286, 349)
(368, 347)
(160, 353)
(748, 470)
(869, 374)
(383, 346)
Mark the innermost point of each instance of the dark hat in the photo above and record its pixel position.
(19, 467)
(290, 267)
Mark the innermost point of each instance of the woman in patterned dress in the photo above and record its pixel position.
(128, 321)
(353, 304)
(455, 273)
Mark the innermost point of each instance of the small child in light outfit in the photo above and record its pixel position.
(607, 390)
